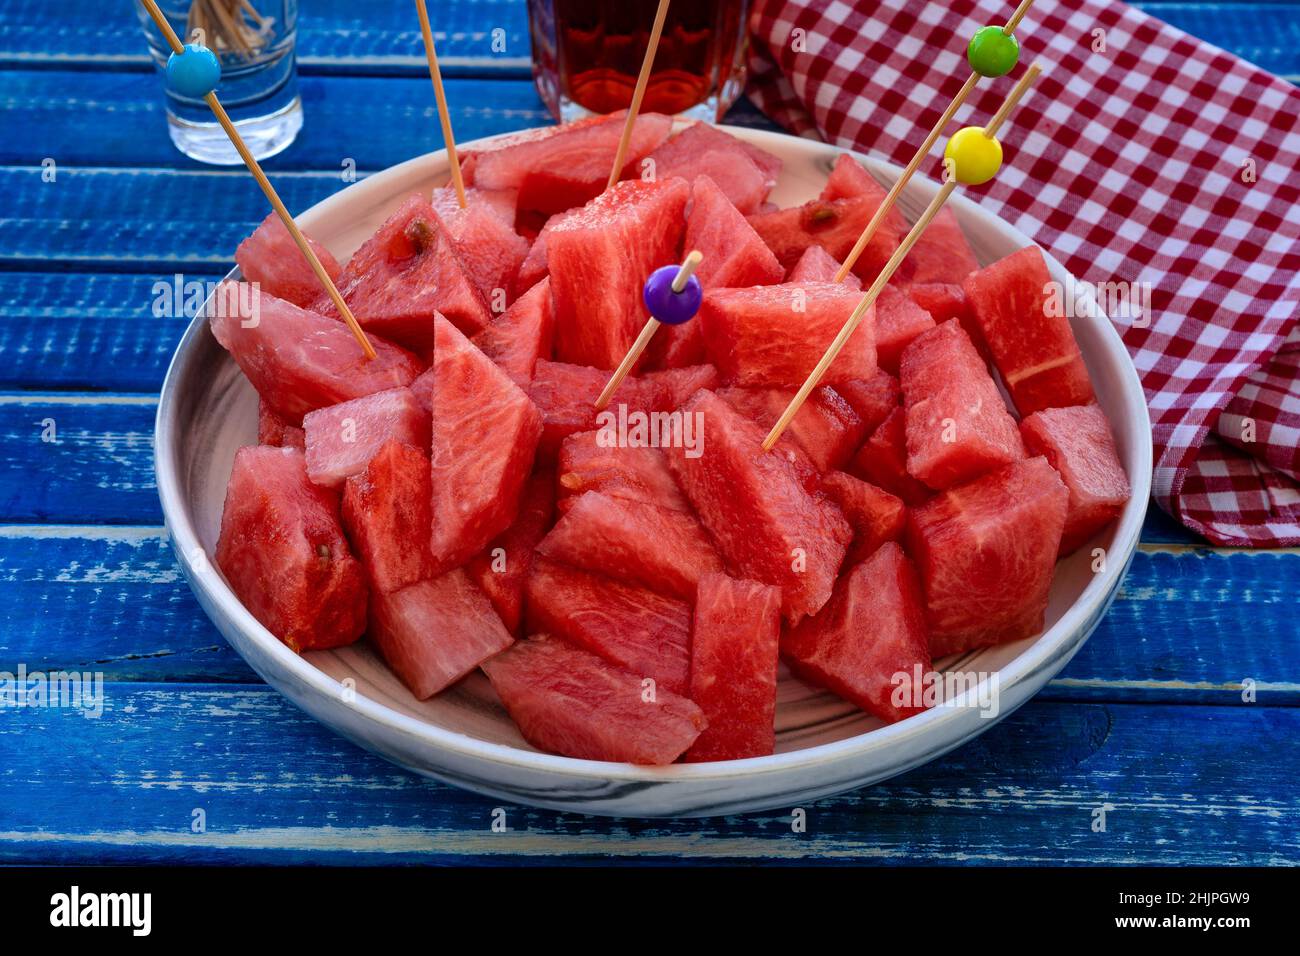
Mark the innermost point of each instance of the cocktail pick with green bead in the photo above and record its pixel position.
(992, 52)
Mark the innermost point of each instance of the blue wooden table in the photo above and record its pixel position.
(1148, 722)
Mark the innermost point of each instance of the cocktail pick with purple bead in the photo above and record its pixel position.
(673, 295)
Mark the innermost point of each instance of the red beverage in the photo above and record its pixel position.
(587, 54)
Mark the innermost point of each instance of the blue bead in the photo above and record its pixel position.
(669, 307)
(194, 73)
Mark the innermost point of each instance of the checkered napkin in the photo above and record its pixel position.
(1142, 155)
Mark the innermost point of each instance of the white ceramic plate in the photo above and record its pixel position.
(463, 736)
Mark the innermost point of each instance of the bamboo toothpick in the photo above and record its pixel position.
(910, 169)
(869, 298)
(684, 273)
(643, 78)
(440, 95)
(253, 167)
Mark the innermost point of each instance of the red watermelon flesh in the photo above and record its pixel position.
(985, 552)
(850, 180)
(774, 335)
(533, 269)
(875, 514)
(500, 202)
(872, 630)
(835, 225)
(569, 702)
(827, 429)
(485, 434)
(646, 633)
(517, 339)
(818, 265)
(734, 642)
(341, 439)
(599, 257)
(756, 405)
(283, 551)
(957, 425)
(299, 361)
(1077, 442)
(734, 255)
(490, 249)
(761, 517)
(406, 272)
(436, 631)
(744, 172)
(503, 567)
(872, 398)
(882, 460)
(273, 260)
(899, 320)
(274, 430)
(386, 514)
(1033, 349)
(469, 158)
(637, 473)
(633, 541)
(946, 301)
(941, 254)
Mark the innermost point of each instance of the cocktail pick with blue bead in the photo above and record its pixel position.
(194, 71)
(440, 96)
(972, 157)
(673, 296)
(992, 52)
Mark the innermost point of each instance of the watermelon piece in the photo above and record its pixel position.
(872, 398)
(645, 633)
(500, 202)
(985, 552)
(734, 255)
(386, 514)
(283, 552)
(566, 396)
(827, 429)
(634, 542)
(569, 702)
(1032, 347)
(404, 274)
(534, 268)
(300, 361)
(758, 405)
(818, 265)
(517, 339)
(745, 173)
(875, 514)
(941, 254)
(610, 246)
(872, 630)
(274, 430)
(774, 335)
(882, 461)
(899, 320)
(636, 472)
(737, 630)
(957, 425)
(946, 301)
(270, 258)
(485, 434)
(761, 517)
(436, 631)
(490, 249)
(849, 179)
(503, 567)
(342, 438)
(570, 166)
(1078, 443)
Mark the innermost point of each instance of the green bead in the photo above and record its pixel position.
(992, 52)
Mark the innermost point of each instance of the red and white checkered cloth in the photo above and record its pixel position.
(1141, 155)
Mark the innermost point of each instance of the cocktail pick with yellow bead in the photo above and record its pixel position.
(972, 157)
(992, 52)
(193, 70)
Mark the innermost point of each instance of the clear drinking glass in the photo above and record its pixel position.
(587, 54)
(254, 40)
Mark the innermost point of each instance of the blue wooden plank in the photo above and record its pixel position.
(1188, 626)
(1266, 34)
(274, 786)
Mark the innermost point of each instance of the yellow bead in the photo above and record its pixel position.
(971, 157)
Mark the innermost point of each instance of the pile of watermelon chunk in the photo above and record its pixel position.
(631, 582)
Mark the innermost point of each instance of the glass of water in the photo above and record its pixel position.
(254, 40)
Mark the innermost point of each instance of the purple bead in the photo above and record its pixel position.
(669, 307)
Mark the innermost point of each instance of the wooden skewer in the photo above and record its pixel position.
(253, 167)
(638, 93)
(869, 298)
(910, 169)
(684, 272)
(440, 94)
